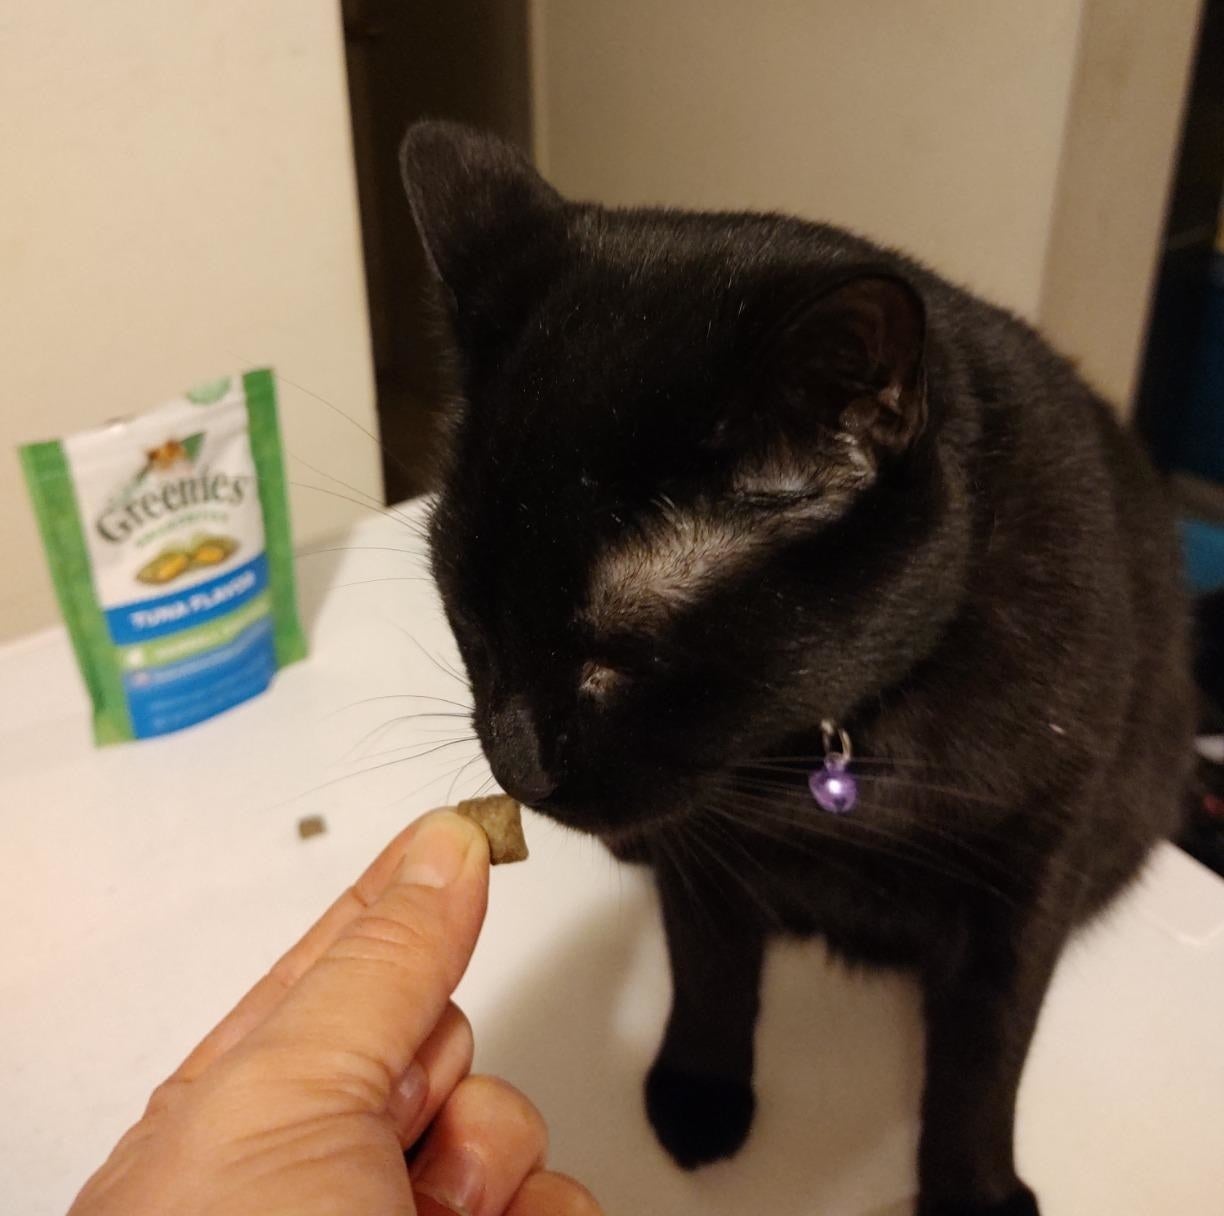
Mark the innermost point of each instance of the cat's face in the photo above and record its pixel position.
(682, 496)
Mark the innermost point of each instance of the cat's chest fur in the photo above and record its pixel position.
(876, 892)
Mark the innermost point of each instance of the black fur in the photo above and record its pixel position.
(995, 618)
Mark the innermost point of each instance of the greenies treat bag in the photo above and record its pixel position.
(168, 540)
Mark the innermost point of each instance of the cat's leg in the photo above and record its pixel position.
(699, 1090)
(980, 1019)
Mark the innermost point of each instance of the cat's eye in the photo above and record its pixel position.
(599, 680)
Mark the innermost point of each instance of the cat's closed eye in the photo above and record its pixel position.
(601, 680)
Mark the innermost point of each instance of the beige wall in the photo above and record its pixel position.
(177, 202)
(936, 125)
(931, 124)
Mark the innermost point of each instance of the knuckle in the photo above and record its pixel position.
(554, 1194)
(578, 1200)
(317, 1070)
(376, 937)
(450, 1047)
(164, 1095)
(454, 1022)
(511, 1104)
(284, 974)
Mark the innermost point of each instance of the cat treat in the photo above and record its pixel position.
(501, 820)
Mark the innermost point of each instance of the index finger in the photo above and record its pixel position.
(260, 1001)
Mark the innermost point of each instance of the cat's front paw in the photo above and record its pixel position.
(697, 1119)
(1021, 1203)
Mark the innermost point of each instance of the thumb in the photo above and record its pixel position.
(370, 1001)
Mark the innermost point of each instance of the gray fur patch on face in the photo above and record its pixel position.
(681, 553)
(784, 476)
(666, 565)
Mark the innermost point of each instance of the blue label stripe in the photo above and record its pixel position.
(147, 619)
(168, 698)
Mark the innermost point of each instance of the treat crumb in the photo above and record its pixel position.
(311, 825)
(500, 818)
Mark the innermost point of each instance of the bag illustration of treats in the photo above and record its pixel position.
(168, 540)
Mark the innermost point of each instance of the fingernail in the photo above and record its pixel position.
(453, 1179)
(437, 850)
(408, 1097)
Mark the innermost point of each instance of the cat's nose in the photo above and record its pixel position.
(515, 755)
(531, 789)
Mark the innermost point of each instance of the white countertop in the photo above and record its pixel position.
(145, 886)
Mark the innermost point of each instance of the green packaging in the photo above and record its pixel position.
(168, 539)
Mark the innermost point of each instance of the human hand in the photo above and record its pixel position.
(304, 1098)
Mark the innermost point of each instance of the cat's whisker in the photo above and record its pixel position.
(450, 789)
(975, 850)
(364, 772)
(814, 760)
(740, 888)
(454, 671)
(436, 660)
(369, 498)
(397, 696)
(781, 830)
(421, 751)
(848, 828)
(416, 553)
(733, 815)
(404, 521)
(357, 752)
(664, 842)
(392, 578)
(416, 743)
(896, 848)
(868, 780)
(883, 783)
(413, 794)
(713, 848)
(390, 453)
(692, 874)
(798, 797)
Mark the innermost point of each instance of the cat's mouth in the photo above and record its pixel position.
(621, 837)
(624, 819)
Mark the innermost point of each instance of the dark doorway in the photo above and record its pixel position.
(464, 59)
(1175, 412)
(1181, 407)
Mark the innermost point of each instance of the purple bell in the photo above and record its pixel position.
(834, 789)
(832, 784)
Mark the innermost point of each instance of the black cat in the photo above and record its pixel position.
(717, 480)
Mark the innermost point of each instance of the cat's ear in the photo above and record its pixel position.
(485, 216)
(853, 356)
